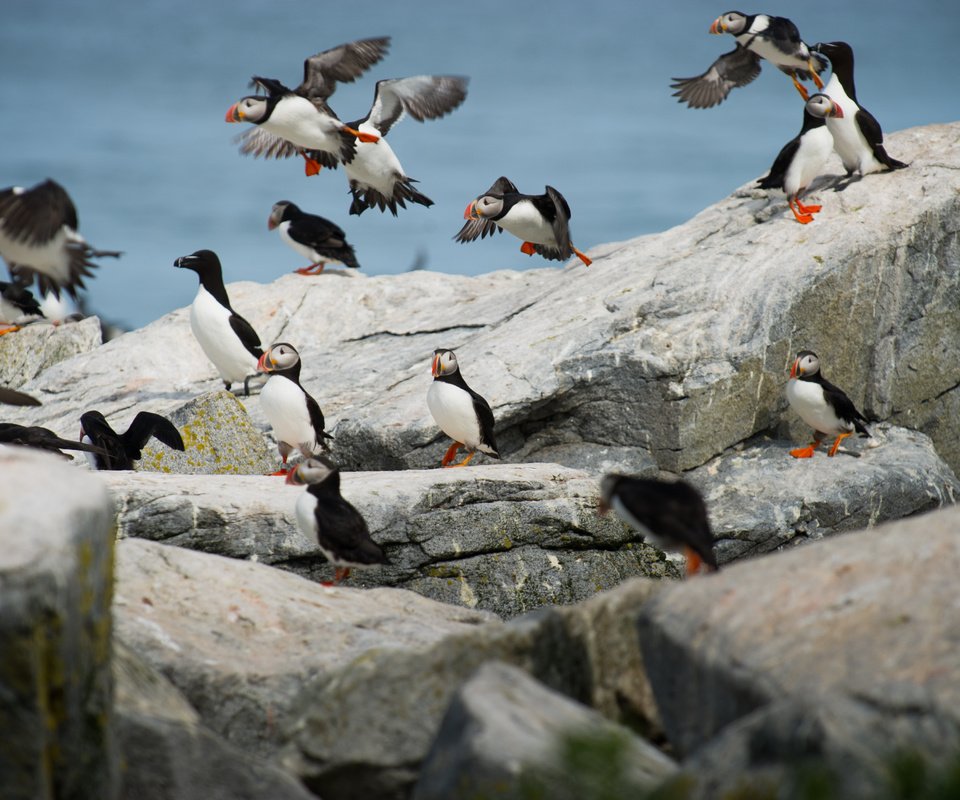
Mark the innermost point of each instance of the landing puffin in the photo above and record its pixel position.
(325, 518)
(460, 412)
(313, 237)
(823, 406)
(120, 450)
(294, 415)
(39, 239)
(41, 439)
(17, 307)
(669, 514)
(228, 340)
(299, 121)
(541, 221)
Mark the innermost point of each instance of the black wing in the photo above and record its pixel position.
(731, 71)
(316, 231)
(247, 335)
(11, 397)
(778, 171)
(145, 425)
(259, 143)
(36, 215)
(421, 96)
(343, 530)
(560, 219)
(843, 406)
(479, 228)
(343, 64)
(20, 297)
(113, 454)
(874, 135)
(42, 439)
(316, 420)
(781, 29)
(487, 422)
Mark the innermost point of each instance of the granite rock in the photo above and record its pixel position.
(26, 353)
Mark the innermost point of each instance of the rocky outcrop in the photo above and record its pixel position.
(34, 348)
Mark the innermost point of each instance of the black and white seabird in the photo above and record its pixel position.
(541, 221)
(17, 307)
(312, 236)
(39, 239)
(41, 439)
(333, 524)
(294, 415)
(120, 450)
(460, 412)
(759, 36)
(289, 122)
(228, 340)
(12, 397)
(669, 514)
(823, 406)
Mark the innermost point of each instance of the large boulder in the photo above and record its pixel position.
(26, 353)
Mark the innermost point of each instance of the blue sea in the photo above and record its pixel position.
(124, 102)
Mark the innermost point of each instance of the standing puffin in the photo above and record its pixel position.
(460, 412)
(17, 307)
(541, 221)
(294, 415)
(299, 121)
(39, 239)
(823, 406)
(120, 450)
(325, 518)
(669, 514)
(311, 236)
(228, 340)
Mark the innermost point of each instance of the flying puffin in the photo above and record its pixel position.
(325, 518)
(228, 340)
(798, 163)
(823, 406)
(39, 239)
(120, 450)
(460, 412)
(376, 177)
(759, 36)
(857, 136)
(12, 397)
(299, 121)
(294, 415)
(669, 514)
(17, 307)
(541, 221)
(41, 439)
(312, 237)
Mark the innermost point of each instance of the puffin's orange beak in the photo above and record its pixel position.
(717, 26)
(836, 111)
(233, 114)
(262, 364)
(435, 366)
(271, 224)
(470, 212)
(794, 368)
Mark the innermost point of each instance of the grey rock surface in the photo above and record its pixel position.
(26, 353)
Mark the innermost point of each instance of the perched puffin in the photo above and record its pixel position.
(294, 415)
(823, 406)
(41, 439)
(39, 239)
(376, 177)
(228, 340)
(299, 121)
(759, 36)
(12, 397)
(542, 221)
(325, 518)
(798, 163)
(857, 136)
(312, 237)
(670, 514)
(17, 306)
(120, 450)
(460, 412)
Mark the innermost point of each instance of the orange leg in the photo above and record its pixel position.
(528, 248)
(12, 329)
(451, 453)
(694, 562)
(582, 257)
(802, 217)
(465, 461)
(313, 269)
(803, 91)
(363, 137)
(806, 452)
(813, 72)
(833, 450)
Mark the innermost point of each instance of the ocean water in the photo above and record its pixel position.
(123, 103)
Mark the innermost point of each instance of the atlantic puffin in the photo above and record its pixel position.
(39, 239)
(312, 236)
(376, 177)
(17, 307)
(333, 524)
(759, 36)
(288, 122)
(41, 439)
(541, 221)
(12, 397)
(228, 340)
(857, 136)
(294, 415)
(460, 412)
(120, 450)
(823, 406)
(669, 514)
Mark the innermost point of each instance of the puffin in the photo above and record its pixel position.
(120, 450)
(376, 178)
(823, 406)
(669, 514)
(798, 163)
(759, 36)
(42, 439)
(12, 397)
(857, 136)
(311, 236)
(333, 524)
(39, 239)
(461, 413)
(294, 415)
(228, 340)
(288, 122)
(17, 307)
(541, 221)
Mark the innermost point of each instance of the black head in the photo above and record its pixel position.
(805, 365)
(444, 363)
(203, 262)
(281, 358)
(314, 470)
(282, 211)
(95, 425)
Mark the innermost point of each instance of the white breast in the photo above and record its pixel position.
(375, 165)
(525, 222)
(452, 408)
(306, 516)
(297, 120)
(815, 148)
(285, 406)
(210, 323)
(851, 145)
(810, 403)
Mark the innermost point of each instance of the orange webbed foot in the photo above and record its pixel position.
(804, 452)
(313, 269)
(802, 216)
(528, 247)
(280, 473)
(804, 209)
(694, 562)
(12, 329)
(465, 461)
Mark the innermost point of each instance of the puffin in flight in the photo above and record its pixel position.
(119, 450)
(312, 236)
(289, 122)
(461, 413)
(541, 222)
(823, 406)
(41, 438)
(333, 524)
(17, 307)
